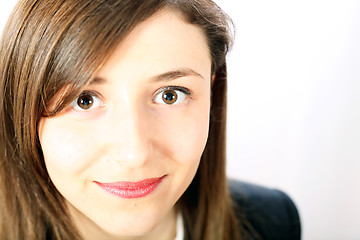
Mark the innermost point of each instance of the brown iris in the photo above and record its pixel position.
(169, 96)
(85, 101)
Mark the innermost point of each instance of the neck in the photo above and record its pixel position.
(165, 230)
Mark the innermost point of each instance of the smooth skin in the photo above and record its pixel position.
(145, 116)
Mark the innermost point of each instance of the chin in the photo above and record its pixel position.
(130, 227)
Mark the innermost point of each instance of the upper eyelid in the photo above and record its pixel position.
(162, 89)
(179, 88)
(90, 92)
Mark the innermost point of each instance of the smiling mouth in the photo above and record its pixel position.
(131, 189)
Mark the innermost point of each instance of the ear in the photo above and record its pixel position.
(213, 79)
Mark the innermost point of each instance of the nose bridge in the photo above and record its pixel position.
(129, 140)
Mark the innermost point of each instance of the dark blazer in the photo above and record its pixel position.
(265, 213)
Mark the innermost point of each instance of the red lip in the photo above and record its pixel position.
(131, 189)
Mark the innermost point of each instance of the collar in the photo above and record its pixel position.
(179, 227)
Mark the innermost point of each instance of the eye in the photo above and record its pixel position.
(86, 101)
(171, 95)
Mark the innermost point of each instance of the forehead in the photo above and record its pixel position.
(161, 43)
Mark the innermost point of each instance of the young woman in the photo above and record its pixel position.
(113, 124)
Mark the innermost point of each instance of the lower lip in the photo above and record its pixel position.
(131, 189)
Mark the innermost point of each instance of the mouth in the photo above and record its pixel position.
(131, 189)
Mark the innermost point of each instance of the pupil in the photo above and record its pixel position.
(169, 97)
(85, 102)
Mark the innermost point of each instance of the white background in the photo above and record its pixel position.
(294, 106)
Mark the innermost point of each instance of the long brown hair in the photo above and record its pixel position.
(49, 45)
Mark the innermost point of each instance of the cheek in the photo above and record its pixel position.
(187, 133)
(63, 148)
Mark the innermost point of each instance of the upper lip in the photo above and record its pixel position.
(130, 185)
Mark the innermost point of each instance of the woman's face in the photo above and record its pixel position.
(127, 148)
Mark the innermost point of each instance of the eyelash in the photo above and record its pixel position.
(96, 98)
(176, 89)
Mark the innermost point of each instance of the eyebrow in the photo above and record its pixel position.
(97, 81)
(172, 75)
(163, 77)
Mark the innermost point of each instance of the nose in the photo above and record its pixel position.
(128, 136)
